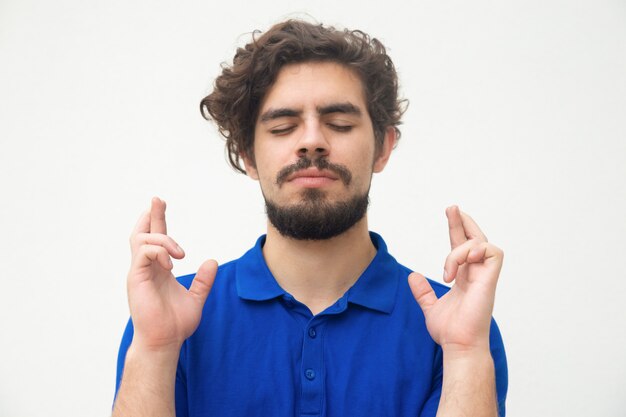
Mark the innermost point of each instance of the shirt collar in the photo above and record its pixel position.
(375, 289)
(377, 286)
(254, 279)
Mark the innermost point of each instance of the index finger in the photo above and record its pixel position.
(143, 224)
(157, 216)
(455, 226)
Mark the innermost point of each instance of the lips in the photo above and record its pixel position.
(312, 173)
(312, 178)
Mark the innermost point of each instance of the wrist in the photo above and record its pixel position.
(476, 361)
(460, 351)
(157, 354)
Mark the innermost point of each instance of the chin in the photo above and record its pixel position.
(316, 218)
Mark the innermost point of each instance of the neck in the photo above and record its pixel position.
(318, 272)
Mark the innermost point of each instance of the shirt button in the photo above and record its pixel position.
(312, 333)
(310, 374)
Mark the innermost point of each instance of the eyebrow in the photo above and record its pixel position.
(346, 108)
(272, 114)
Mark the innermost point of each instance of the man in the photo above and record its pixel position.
(317, 319)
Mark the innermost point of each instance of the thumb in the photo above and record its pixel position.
(203, 281)
(422, 291)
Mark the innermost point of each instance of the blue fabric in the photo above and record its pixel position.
(258, 351)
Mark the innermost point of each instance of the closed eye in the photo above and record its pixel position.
(340, 128)
(282, 130)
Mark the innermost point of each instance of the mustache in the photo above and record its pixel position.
(320, 163)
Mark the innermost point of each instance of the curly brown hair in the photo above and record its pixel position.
(239, 90)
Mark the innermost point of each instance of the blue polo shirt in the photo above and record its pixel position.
(260, 352)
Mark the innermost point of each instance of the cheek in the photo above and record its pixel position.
(268, 170)
(361, 171)
(264, 162)
(359, 159)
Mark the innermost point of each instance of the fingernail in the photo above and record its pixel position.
(445, 275)
(169, 260)
(179, 249)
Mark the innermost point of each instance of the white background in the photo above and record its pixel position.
(517, 114)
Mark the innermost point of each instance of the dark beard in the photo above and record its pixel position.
(314, 218)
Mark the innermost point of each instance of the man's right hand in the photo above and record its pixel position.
(164, 313)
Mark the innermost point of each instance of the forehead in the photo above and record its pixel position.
(314, 84)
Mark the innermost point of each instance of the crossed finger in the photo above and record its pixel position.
(462, 227)
(472, 251)
(149, 241)
(153, 220)
(146, 255)
(157, 239)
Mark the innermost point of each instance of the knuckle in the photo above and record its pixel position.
(142, 251)
(133, 239)
(499, 252)
(137, 239)
(159, 238)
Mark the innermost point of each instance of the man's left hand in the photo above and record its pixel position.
(460, 320)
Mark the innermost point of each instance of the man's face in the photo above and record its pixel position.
(314, 150)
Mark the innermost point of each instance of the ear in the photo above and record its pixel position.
(385, 150)
(250, 167)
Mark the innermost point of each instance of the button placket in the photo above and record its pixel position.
(312, 368)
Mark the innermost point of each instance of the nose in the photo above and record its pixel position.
(313, 144)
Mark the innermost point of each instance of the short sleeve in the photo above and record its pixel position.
(432, 404)
(127, 338)
(502, 372)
